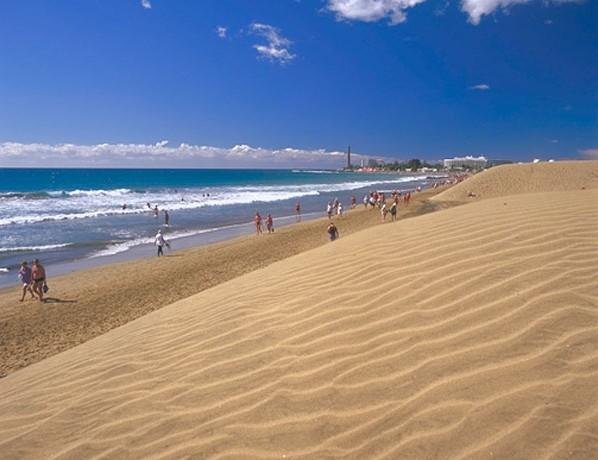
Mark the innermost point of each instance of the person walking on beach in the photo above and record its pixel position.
(383, 212)
(25, 277)
(393, 211)
(329, 209)
(166, 218)
(353, 201)
(298, 212)
(258, 223)
(339, 210)
(38, 273)
(332, 231)
(270, 223)
(366, 200)
(160, 243)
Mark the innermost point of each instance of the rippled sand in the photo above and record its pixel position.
(471, 332)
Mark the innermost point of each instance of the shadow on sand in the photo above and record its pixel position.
(56, 300)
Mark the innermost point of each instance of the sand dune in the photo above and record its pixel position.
(525, 178)
(467, 333)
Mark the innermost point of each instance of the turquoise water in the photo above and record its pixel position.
(60, 215)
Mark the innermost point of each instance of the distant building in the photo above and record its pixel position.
(467, 162)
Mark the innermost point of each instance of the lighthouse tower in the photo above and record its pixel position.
(349, 158)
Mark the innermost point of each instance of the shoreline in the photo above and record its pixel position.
(68, 242)
(87, 303)
(143, 250)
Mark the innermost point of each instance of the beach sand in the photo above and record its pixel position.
(89, 303)
(471, 332)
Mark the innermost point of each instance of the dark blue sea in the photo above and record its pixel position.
(63, 215)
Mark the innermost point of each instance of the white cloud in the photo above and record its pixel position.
(277, 47)
(480, 87)
(591, 154)
(146, 4)
(395, 10)
(478, 8)
(221, 31)
(371, 10)
(161, 154)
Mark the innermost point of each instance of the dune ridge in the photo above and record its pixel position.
(514, 179)
(467, 333)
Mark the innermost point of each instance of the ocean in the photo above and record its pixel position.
(67, 216)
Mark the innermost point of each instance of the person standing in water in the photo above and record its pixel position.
(166, 218)
(298, 212)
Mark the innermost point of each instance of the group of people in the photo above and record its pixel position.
(334, 207)
(374, 199)
(377, 200)
(259, 223)
(33, 280)
(156, 212)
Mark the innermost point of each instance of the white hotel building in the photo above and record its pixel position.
(467, 162)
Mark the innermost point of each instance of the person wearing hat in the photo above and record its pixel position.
(160, 242)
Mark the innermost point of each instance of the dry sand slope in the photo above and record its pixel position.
(525, 178)
(467, 333)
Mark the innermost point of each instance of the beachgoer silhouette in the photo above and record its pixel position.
(332, 231)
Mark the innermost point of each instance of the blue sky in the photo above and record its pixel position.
(113, 79)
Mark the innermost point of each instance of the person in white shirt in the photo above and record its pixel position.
(160, 242)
